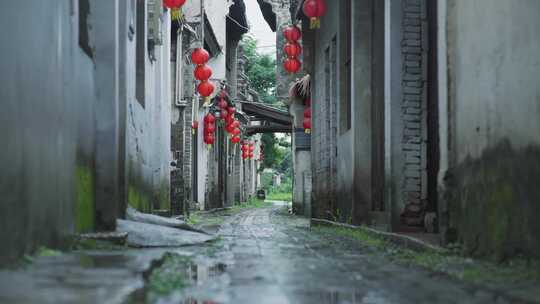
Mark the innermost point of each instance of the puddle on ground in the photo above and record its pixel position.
(174, 273)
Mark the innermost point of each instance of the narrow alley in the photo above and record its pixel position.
(263, 255)
(269, 151)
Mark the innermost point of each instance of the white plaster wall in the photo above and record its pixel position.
(148, 127)
(494, 59)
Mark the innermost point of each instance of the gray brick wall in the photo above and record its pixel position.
(414, 52)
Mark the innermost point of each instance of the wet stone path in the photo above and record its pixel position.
(268, 256)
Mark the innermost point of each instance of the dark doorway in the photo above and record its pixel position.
(433, 153)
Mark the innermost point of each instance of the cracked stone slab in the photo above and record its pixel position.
(136, 216)
(151, 235)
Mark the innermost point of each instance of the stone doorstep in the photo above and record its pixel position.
(407, 241)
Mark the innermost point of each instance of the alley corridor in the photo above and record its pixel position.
(262, 255)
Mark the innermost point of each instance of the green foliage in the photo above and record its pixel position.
(280, 196)
(261, 70)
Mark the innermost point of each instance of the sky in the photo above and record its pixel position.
(259, 28)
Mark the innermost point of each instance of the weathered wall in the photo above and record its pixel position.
(148, 126)
(50, 126)
(494, 102)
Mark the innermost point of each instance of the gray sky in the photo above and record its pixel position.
(259, 28)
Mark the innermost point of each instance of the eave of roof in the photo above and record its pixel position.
(268, 14)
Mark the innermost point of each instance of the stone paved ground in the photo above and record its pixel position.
(270, 257)
(262, 256)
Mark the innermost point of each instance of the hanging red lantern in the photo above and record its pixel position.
(307, 125)
(209, 118)
(229, 128)
(173, 3)
(209, 139)
(235, 139)
(205, 88)
(200, 56)
(245, 155)
(203, 72)
(210, 128)
(223, 114)
(231, 110)
(293, 49)
(236, 124)
(194, 127)
(251, 148)
(292, 65)
(307, 113)
(222, 104)
(314, 10)
(229, 119)
(251, 155)
(292, 33)
(236, 132)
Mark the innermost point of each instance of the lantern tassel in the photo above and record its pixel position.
(308, 131)
(313, 23)
(176, 14)
(193, 131)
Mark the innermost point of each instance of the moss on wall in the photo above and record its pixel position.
(84, 209)
(164, 196)
(493, 203)
(138, 199)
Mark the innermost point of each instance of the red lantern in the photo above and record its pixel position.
(292, 65)
(229, 128)
(195, 125)
(173, 3)
(209, 118)
(200, 56)
(203, 72)
(307, 113)
(205, 88)
(293, 49)
(292, 33)
(251, 148)
(236, 124)
(209, 128)
(209, 139)
(251, 155)
(231, 110)
(236, 132)
(235, 139)
(222, 103)
(245, 155)
(307, 125)
(223, 114)
(314, 10)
